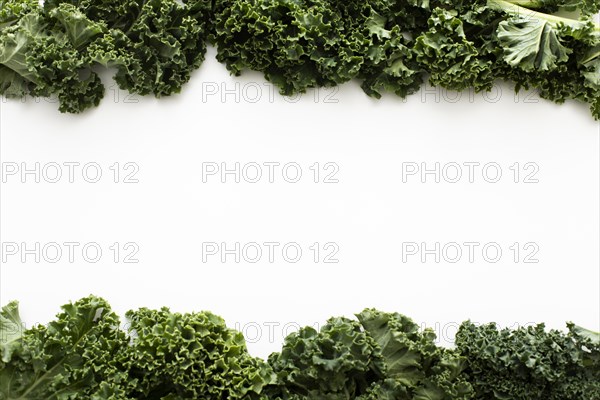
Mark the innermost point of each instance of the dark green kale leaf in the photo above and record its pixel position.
(531, 363)
(166, 43)
(415, 367)
(452, 60)
(382, 356)
(390, 65)
(296, 44)
(71, 358)
(155, 45)
(338, 362)
(39, 56)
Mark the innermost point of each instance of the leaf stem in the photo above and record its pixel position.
(527, 3)
(513, 7)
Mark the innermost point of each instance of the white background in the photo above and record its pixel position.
(368, 214)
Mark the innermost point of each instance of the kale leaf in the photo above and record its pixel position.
(531, 363)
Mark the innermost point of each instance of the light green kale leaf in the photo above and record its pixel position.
(11, 330)
(13, 10)
(586, 7)
(189, 356)
(531, 44)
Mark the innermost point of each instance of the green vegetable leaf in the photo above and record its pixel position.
(11, 330)
(12, 84)
(13, 10)
(16, 42)
(413, 360)
(191, 356)
(530, 363)
(339, 361)
(452, 60)
(77, 26)
(531, 43)
(587, 7)
(66, 360)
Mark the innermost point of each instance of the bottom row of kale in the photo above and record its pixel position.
(85, 354)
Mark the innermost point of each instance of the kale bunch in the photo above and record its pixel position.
(86, 354)
(55, 50)
(388, 45)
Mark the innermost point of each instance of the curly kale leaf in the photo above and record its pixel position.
(71, 358)
(591, 68)
(530, 363)
(382, 356)
(337, 362)
(164, 45)
(117, 14)
(78, 28)
(296, 44)
(586, 7)
(154, 44)
(39, 56)
(390, 65)
(413, 361)
(452, 60)
(13, 10)
(189, 356)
